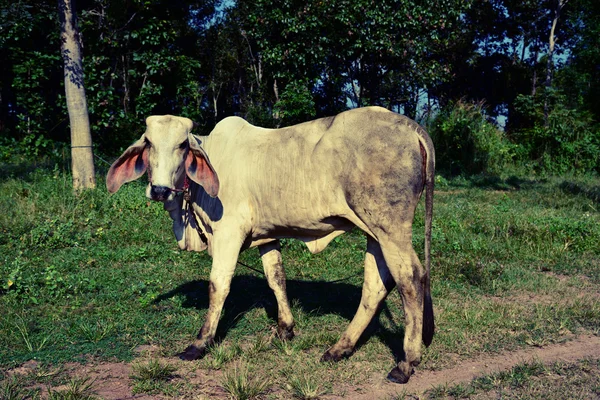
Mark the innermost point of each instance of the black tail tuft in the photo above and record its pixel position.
(428, 323)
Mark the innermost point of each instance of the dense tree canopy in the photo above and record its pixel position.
(286, 61)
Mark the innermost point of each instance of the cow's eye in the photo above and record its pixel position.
(147, 142)
(183, 145)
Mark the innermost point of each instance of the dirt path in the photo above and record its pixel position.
(112, 380)
(580, 348)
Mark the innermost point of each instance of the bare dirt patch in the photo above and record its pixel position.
(112, 380)
(580, 348)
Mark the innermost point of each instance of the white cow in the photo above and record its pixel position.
(250, 186)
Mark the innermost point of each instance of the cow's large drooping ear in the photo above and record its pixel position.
(199, 169)
(131, 165)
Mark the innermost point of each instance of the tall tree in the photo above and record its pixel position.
(383, 53)
(81, 138)
(581, 75)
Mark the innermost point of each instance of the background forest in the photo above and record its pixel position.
(501, 85)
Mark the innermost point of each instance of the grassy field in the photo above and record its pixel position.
(97, 278)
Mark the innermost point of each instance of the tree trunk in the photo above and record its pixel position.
(560, 4)
(81, 139)
(535, 60)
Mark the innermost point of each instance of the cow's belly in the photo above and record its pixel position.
(316, 235)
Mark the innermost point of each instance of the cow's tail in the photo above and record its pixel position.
(429, 172)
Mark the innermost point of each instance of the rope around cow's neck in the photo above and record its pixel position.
(187, 197)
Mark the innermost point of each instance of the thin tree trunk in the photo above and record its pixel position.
(125, 87)
(81, 140)
(275, 90)
(550, 64)
(356, 88)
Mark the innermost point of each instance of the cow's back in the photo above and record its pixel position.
(362, 161)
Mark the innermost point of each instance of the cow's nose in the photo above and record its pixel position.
(159, 193)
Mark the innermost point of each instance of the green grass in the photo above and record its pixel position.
(305, 387)
(241, 384)
(77, 389)
(152, 377)
(516, 263)
(578, 380)
(12, 389)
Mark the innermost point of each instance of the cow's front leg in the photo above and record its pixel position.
(270, 254)
(226, 249)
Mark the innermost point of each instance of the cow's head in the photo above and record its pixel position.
(168, 151)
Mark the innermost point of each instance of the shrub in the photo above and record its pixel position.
(467, 142)
(570, 143)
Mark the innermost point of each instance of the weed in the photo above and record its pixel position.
(221, 355)
(261, 343)
(77, 389)
(519, 375)
(304, 387)
(12, 389)
(25, 331)
(284, 346)
(238, 383)
(439, 391)
(460, 391)
(154, 370)
(95, 332)
(402, 396)
(152, 376)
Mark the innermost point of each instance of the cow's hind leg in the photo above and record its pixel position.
(225, 252)
(405, 267)
(270, 254)
(378, 282)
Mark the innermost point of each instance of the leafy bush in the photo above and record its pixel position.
(570, 143)
(296, 104)
(466, 142)
(34, 149)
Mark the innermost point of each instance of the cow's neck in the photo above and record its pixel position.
(185, 225)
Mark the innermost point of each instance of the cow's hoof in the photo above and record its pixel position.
(192, 353)
(286, 333)
(335, 356)
(328, 357)
(398, 376)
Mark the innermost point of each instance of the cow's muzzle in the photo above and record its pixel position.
(160, 193)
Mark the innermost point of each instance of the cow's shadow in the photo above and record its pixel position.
(313, 297)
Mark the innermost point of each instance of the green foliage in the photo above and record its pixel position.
(31, 109)
(335, 42)
(579, 78)
(288, 63)
(466, 142)
(295, 104)
(569, 143)
(137, 67)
